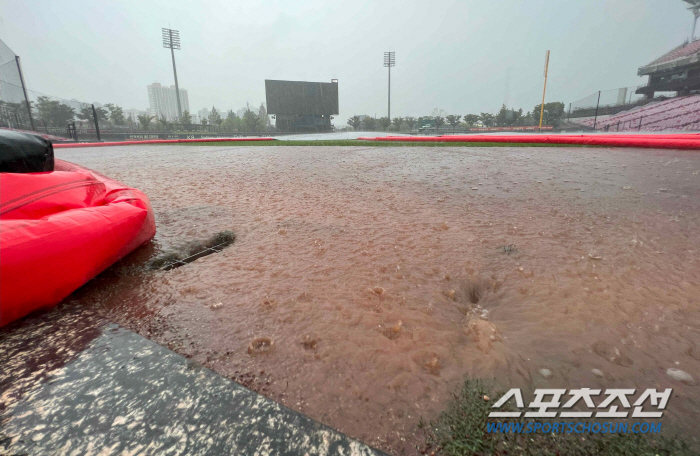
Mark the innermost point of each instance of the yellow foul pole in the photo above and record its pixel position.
(546, 68)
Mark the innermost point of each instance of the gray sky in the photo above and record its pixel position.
(453, 55)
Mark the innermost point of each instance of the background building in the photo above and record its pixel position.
(163, 101)
(134, 114)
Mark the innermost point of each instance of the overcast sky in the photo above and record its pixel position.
(463, 57)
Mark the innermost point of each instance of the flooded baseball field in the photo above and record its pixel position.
(366, 283)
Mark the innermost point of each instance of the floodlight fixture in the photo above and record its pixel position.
(694, 7)
(171, 40)
(389, 61)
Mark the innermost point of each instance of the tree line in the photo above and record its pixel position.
(248, 122)
(48, 112)
(553, 114)
(53, 113)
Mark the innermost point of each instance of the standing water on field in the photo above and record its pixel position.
(366, 283)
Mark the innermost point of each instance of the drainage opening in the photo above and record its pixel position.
(192, 251)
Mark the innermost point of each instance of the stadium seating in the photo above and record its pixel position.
(681, 113)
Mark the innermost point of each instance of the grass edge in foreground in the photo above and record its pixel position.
(461, 430)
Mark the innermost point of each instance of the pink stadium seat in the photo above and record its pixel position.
(682, 113)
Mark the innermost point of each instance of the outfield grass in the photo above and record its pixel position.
(461, 430)
(357, 142)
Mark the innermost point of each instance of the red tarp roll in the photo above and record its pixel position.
(60, 229)
(679, 141)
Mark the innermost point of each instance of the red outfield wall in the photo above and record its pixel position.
(670, 141)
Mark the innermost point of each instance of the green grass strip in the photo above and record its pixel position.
(357, 142)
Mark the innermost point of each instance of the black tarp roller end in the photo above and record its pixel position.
(24, 153)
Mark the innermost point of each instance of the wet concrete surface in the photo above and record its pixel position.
(74, 384)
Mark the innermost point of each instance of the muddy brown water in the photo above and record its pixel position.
(383, 277)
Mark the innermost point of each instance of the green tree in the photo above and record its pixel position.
(508, 117)
(145, 121)
(500, 120)
(355, 122)
(486, 119)
(384, 123)
(263, 118)
(186, 119)
(108, 107)
(439, 122)
(396, 122)
(251, 121)
(102, 114)
(204, 120)
(518, 117)
(231, 122)
(164, 123)
(553, 113)
(369, 123)
(471, 119)
(54, 113)
(215, 117)
(86, 113)
(410, 122)
(116, 114)
(453, 120)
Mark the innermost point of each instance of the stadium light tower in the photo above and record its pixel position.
(390, 61)
(544, 90)
(694, 7)
(171, 40)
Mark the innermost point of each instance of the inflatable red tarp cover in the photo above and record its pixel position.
(665, 141)
(60, 229)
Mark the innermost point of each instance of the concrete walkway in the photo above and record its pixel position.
(76, 385)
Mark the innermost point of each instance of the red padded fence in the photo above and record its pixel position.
(669, 141)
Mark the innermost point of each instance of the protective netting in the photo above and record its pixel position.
(52, 112)
(606, 101)
(57, 117)
(13, 107)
